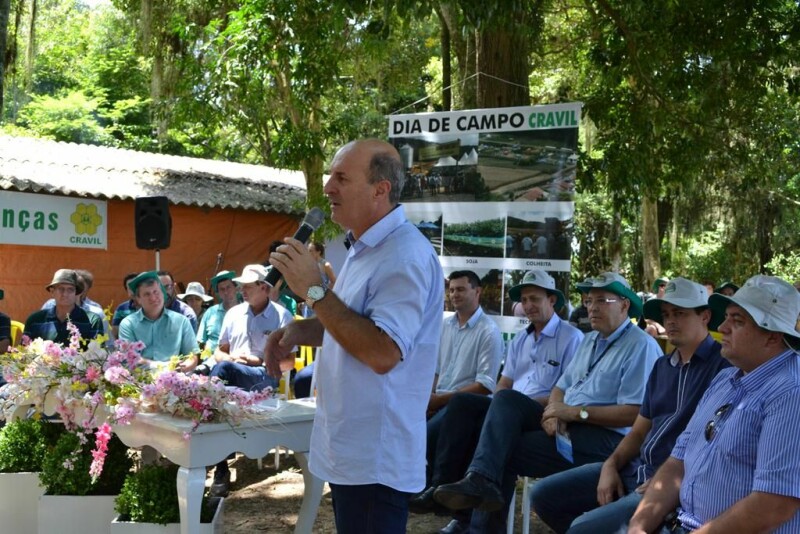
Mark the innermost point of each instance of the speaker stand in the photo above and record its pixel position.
(158, 260)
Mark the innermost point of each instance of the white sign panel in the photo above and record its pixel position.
(52, 221)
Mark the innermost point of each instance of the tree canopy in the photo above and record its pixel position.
(689, 157)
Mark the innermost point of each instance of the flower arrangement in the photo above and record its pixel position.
(87, 387)
(199, 398)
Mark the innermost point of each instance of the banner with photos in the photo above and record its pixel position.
(493, 190)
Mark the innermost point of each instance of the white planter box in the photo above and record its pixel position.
(19, 496)
(70, 514)
(128, 527)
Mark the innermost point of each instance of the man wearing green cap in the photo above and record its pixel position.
(590, 409)
(164, 332)
(225, 288)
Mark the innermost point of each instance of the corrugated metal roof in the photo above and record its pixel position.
(42, 166)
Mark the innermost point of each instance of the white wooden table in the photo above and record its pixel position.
(289, 426)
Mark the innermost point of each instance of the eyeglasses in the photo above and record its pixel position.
(599, 301)
(711, 426)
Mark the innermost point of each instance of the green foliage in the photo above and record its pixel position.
(786, 266)
(150, 495)
(23, 444)
(706, 257)
(58, 479)
(69, 117)
(486, 228)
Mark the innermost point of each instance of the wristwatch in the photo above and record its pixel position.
(583, 414)
(314, 294)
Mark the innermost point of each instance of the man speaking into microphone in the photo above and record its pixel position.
(379, 328)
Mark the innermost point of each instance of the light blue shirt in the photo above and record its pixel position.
(370, 428)
(242, 329)
(470, 353)
(169, 335)
(534, 365)
(620, 377)
(754, 445)
(210, 326)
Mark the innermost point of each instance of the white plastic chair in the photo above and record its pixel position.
(527, 483)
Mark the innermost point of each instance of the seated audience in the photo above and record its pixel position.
(536, 358)
(735, 467)
(603, 496)
(590, 409)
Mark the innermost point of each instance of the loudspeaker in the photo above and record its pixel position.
(153, 223)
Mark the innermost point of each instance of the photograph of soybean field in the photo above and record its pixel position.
(479, 238)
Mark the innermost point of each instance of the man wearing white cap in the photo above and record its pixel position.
(536, 359)
(603, 496)
(244, 332)
(240, 353)
(736, 467)
(590, 409)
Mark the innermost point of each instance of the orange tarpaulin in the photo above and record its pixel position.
(198, 235)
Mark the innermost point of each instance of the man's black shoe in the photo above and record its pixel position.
(222, 481)
(455, 527)
(473, 491)
(423, 503)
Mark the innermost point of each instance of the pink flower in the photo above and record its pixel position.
(93, 373)
(102, 436)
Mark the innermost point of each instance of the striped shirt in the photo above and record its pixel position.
(753, 446)
(672, 394)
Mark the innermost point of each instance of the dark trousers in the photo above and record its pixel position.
(369, 509)
(250, 378)
(302, 382)
(512, 443)
(458, 436)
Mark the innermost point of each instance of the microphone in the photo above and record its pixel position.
(311, 222)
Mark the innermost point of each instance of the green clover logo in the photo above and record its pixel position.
(86, 219)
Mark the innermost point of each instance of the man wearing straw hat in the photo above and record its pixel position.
(536, 358)
(589, 411)
(51, 323)
(736, 466)
(603, 496)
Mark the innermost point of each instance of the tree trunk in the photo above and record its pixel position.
(651, 263)
(30, 53)
(447, 78)
(673, 235)
(5, 12)
(614, 243)
(503, 64)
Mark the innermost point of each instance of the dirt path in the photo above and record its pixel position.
(267, 501)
